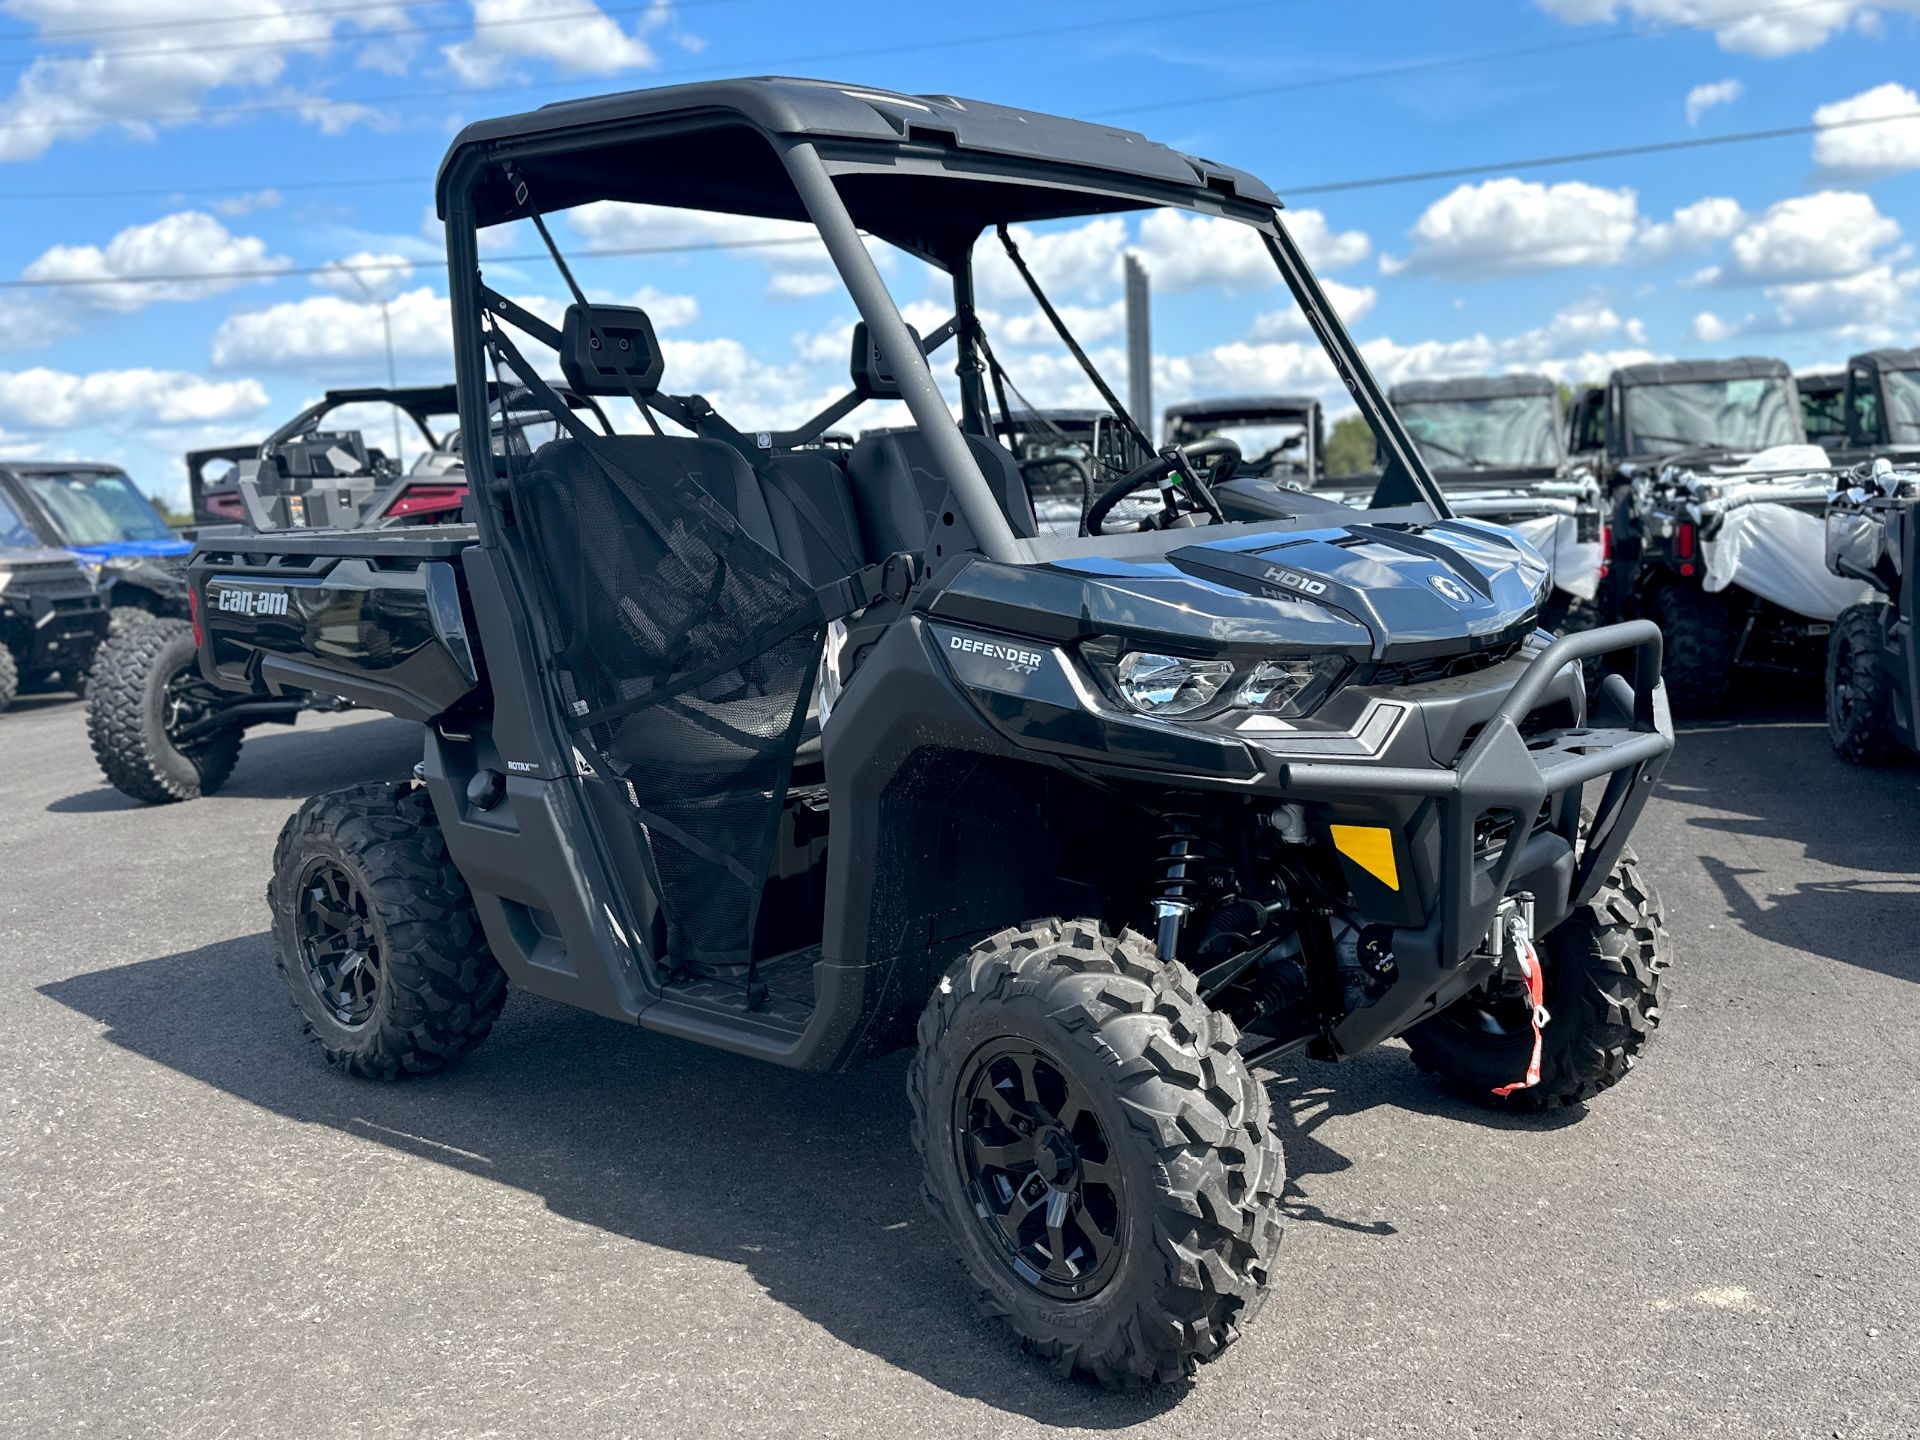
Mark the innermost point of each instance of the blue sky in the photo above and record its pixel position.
(183, 138)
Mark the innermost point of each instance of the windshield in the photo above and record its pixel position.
(1903, 404)
(1508, 431)
(93, 507)
(1744, 415)
(14, 533)
(1266, 444)
(1823, 410)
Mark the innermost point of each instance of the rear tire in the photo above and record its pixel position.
(9, 678)
(1698, 663)
(379, 944)
(1172, 1173)
(1605, 968)
(1861, 703)
(127, 718)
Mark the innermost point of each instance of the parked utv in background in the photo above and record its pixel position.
(1095, 822)
(1823, 410)
(1279, 437)
(99, 514)
(1716, 532)
(162, 733)
(309, 474)
(1882, 408)
(1873, 657)
(1067, 457)
(1495, 443)
(51, 616)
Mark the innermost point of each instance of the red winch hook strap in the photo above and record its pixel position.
(1537, 995)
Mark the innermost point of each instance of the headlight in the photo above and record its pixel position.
(1165, 685)
(1169, 684)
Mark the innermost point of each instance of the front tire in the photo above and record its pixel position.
(1861, 704)
(142, 688)
(9, 678)
(1605, 968)
(1097, 1151)
(379, 944)
(1698, 666)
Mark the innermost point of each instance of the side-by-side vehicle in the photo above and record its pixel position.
(812, 753)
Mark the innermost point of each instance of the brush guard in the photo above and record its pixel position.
(1504, 770)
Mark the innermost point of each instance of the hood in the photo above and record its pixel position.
(1372, 590)
(115, 549)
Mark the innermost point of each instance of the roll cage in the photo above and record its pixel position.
(929, 174)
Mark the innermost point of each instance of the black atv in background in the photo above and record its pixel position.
(52, 618)
(1093, 823)
(1823, 410)
(1878, 409)
(1873, 656)
(1277, 437)
(1716, 531)
(97, 513)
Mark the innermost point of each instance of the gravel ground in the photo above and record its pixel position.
(590, 1230)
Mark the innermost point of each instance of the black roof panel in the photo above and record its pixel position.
(1887, 360)
(1679, 372)
(1241, 406)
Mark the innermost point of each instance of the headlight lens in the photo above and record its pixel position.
(1152, 683)
(1276, 684)
(1169, 684)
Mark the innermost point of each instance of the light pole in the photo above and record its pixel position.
(386, 324)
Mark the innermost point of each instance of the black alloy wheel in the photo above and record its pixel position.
(339, 945)
(1039, 1170)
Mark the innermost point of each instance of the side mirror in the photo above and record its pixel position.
(610, 350)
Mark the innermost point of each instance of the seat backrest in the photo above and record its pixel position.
(905, 504)
(812, 514)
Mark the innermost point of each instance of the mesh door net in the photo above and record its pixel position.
(684, 652)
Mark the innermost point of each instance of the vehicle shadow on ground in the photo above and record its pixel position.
(1864, 822)
(283, 764)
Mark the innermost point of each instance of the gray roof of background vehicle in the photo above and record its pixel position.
(1822, 380)
(1241, 405)
(1470, 387)
(1886, 360)
(58, 467)
(828, 112)
(1679, 372)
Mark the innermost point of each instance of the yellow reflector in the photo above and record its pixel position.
(1371, 848)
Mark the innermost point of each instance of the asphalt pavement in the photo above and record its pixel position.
(587, 1230)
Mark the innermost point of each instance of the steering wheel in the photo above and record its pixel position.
(1212, 457)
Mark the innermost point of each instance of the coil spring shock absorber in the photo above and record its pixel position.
(1181, 856)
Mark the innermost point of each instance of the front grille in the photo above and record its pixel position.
(1441, 667)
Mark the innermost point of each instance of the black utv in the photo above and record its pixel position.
(1715, 530)
(52, 618)
(1067, 457)
(1878, 408)
(98, 514)
(159, 731)
(1278, 437)
(1873, 657)
(812, 754)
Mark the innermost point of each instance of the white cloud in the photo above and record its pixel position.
(1693, 227)
(161, 78)
(1325, 247)
(235, 206)
(1583, 341)
(41, 399)
(1709, 329)
(1506, 226)
(330, 335)
(1191, 252)
(187, 244)
(797, 262)
(581, 39)
(1768, 31)
(1076, 261)
(366, 274)
(1834, 232)
(1866, 152)
(1876, 306)
(1351, 301)
(1703, 98)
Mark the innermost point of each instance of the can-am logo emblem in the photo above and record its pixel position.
(1294, 580)
(1450, 589)
(252, 602)
(1024, 662)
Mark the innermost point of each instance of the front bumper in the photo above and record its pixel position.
(53, 631)
(1538, 784)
